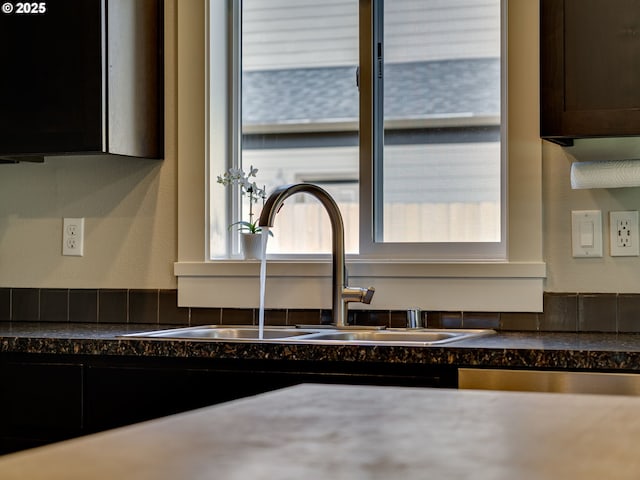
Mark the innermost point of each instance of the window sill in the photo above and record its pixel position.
(505, 286)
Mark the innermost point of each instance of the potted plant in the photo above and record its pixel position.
(250, 230)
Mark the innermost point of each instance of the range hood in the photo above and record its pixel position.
(81, 77)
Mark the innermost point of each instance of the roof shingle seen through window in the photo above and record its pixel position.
(412, 90)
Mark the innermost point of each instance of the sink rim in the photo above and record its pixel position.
(390, 337)
(319, 336)
(176, 333)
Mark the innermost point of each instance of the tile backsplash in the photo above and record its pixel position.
(566, 312)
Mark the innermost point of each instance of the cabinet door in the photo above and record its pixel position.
(51, 86)
(40, 403)
(590, 69)
(117, 395)
(122, 395)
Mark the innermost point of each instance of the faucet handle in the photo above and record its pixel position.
(357, 294)
(368, 295)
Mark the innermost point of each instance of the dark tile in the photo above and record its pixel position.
(169, 313)
(480, 320)
(433, 320)
(451, 319)
(326, 317)
(379, 318)
(206, 316)
(54, 305)
(237, 316)
(272, 316)
(143, 306)
(5, 304)
(398, 318)
(560, 312)
(303, 317)
(83, 305)
(25, 304)
(113, 306)
(519, 321)
(424, 317)
(444, 320)
(597, 312)
(370, 318)
(629, 312)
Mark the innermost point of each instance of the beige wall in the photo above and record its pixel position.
(129, 206)
(568, 274)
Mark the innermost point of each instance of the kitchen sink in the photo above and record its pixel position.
(320, 335)
(220, 332)
(398, 336)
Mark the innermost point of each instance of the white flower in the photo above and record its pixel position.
(236, 176)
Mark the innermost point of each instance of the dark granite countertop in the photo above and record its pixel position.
(597, 351)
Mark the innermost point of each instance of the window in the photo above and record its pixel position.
(393, 107)
(512, 285)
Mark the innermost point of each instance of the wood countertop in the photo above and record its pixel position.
(361, 432)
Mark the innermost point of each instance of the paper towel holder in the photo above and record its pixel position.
(605, 174)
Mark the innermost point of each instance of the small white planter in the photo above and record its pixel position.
(251, 246)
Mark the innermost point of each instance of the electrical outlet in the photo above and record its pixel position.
(73, 236)
(623, 234)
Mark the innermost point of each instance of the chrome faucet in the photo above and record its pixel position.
(341, 294)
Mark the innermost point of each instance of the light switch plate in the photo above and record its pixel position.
(586, 233)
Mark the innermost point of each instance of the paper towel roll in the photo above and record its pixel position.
(605, 174)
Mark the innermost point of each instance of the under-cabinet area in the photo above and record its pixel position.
(48, 398)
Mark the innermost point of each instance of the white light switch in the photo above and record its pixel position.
(586, 233)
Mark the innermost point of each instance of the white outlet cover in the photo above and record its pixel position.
(623, 234)
(73, 237)
(586, 233)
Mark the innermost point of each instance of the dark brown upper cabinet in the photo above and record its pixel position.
(81, 77)
(589, 69)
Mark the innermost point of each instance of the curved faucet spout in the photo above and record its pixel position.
(273, 204)
(341, 293)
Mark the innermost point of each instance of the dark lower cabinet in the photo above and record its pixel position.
(117, 396)
(40, 403)
(44, 401)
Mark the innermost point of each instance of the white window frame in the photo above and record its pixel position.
(515, 284)
(371, 147)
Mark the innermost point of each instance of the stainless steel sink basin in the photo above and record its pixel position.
(220, 332)
(399, 336)
(327, 336)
